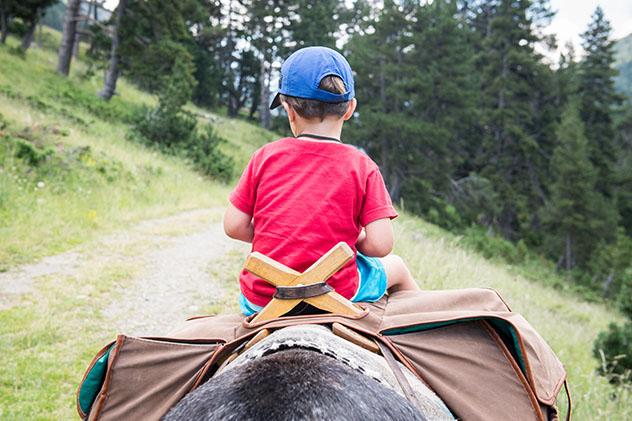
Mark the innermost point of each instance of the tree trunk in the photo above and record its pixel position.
(253, 110)
(75, 45)
(109, 87)
(92, 38)
(233, 103)
(27, 39)
(68, 37)
(39, 33)
(264, 107)
(569, 253)
(4, 24)
(385, 152)
(395, 186)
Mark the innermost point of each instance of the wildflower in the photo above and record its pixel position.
(40, 185)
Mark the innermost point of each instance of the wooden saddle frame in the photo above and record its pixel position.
(310, 285)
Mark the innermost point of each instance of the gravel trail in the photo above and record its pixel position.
(171, 256)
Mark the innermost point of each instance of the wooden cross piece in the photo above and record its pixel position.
(280, 275)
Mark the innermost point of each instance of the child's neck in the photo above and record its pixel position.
(331, 128)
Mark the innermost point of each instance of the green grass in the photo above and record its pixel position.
(243, 137)
(47, 341)
(65, 115)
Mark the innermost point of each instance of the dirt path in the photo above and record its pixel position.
(171, 261)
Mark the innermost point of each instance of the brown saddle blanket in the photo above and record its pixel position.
(483, 360)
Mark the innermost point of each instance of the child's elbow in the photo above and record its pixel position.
(378, 248)
(383, 249)
(231, 229)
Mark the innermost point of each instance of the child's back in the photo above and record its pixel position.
(305, 196)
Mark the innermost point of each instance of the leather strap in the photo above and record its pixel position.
(401, 378)
(302, 291)
(569, 411)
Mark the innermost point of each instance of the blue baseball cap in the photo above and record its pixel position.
(304, 69)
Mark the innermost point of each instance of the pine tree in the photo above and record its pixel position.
(575, 213)
(517, 111)
(442, 99)
(384, 124)
(155, 34)
(238, 69)
(314, 23)
(266, 23)
(597, 97)
(566, 76)
(416, 91)
(623, 168)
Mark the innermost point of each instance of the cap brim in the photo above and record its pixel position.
(276, 101)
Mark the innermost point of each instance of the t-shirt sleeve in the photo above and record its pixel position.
(377, 201)
(244, 194)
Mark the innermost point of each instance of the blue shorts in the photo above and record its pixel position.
(371, 286)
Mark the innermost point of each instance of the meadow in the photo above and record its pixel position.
(69, 174)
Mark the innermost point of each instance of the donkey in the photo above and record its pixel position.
(307, 373)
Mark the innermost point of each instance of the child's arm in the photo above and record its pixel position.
(238, 224)
(378, 238)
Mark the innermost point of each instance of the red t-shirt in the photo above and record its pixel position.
(305, 197)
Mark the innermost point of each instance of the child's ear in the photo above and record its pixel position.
(291, 114)
(350, 109)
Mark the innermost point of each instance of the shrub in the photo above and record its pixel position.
(475, 199)
(613, 348)
(174, 130)
(165, 129)
(3, 123)
(29, 152)
(33, 159)
(625, 296)
(160, 61)
(610, 266)
(178, 134)
(206, 156)
(493, 246)
(169, 125)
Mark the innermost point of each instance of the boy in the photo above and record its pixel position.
(301, 195)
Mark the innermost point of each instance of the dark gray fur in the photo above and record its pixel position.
(293, 384)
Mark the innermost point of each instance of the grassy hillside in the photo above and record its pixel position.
(90, 178)
(86, 179)
(623, 62)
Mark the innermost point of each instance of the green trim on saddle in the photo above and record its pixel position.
(94, 380)
(504, 329)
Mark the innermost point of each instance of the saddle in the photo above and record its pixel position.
(483, 360)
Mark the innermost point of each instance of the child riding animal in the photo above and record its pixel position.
(301, 195)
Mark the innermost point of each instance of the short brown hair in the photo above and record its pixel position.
(311, 108)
